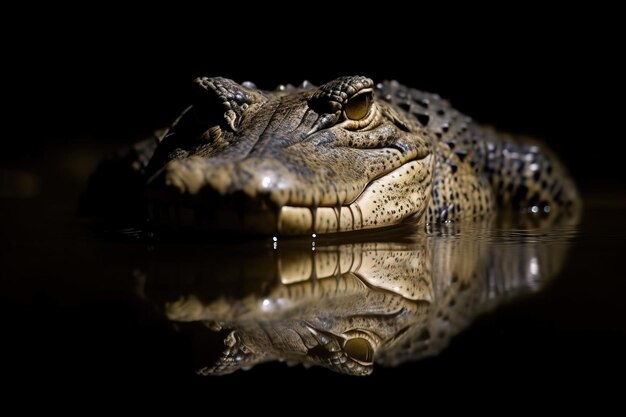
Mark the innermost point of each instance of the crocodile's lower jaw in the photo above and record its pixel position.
(389, 200)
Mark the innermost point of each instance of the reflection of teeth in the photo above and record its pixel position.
(296, 268)
(326, 264)
(386, 201)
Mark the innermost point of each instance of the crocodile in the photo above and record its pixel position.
(346, 306)
(345, 156)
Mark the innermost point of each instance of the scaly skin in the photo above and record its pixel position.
(346, 156)
(350, 305)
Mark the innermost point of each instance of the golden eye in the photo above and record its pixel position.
(359, 349)
(358, 106)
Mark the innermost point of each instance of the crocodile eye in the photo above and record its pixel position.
(358, 106)
(359, 349)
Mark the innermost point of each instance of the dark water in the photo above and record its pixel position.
(545, 305)
(348, 305)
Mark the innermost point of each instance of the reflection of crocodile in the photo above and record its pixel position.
(345, 156)
(349, 305)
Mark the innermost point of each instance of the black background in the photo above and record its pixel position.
(115, 76)
(111, 77)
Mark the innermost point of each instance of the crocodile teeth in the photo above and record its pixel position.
(399, 195)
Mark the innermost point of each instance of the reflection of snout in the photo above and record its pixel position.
(188, 197)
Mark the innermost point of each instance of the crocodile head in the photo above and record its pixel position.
(302, 160)
(347, 307)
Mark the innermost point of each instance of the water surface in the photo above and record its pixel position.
(347, 304)
(443, 304)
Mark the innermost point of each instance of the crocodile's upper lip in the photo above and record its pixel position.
(398, 193)
(281, 183)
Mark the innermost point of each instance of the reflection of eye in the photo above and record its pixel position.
(359, 349)
(359, 106)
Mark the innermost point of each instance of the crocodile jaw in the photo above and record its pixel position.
(403, 193)
(400, 194)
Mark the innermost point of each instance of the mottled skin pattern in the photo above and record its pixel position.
(478, 168)
(348, 155)
(347, 306)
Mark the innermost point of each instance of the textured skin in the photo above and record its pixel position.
(400, 300)
(292, 162)
(478, 168)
